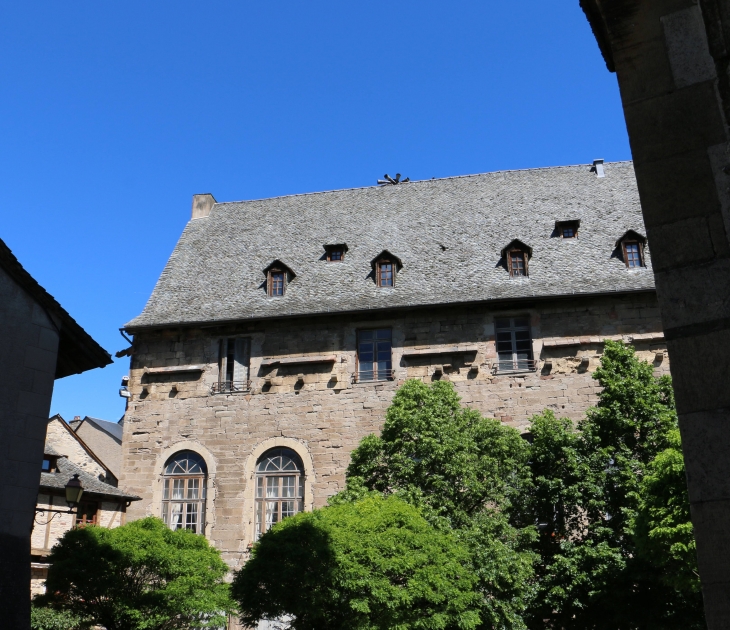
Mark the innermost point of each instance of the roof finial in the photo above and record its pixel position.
(389, 180)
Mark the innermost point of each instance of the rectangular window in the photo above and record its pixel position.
(385, 274)
(233, 365)
(517, 264)
(335, 255)
(514, 345)
(86, 513)
(633, 255)
(183, 503)
(276, 283)
(568, 231)
(374, 355)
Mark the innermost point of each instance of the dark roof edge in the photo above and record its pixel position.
(526, 298)
(592, 11)
(73, 339)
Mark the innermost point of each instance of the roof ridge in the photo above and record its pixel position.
(416, 181)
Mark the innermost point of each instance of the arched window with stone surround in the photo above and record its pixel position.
(279, 488)
(183, 492)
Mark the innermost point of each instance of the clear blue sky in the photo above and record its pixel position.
(112, 115)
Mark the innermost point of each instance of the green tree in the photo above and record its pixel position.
(370, 564)
(662, 527)
(597, 494)
(468, 474)
(141, 576)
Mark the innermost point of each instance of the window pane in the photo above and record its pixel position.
(260, 487)
(287, 486)
(176, 513)
(166, 489)
(272, 514)
(191, 518)
(287, 509)
(193, 488)
(272, 486)
(165, 513)
(178, 488)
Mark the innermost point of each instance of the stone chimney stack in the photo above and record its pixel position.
(202, 205)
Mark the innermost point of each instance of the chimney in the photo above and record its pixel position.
(597, 168)
(202, 205)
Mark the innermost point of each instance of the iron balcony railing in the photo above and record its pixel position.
(514, 365)
(230, 387)
(364, 376)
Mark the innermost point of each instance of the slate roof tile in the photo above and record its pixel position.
(448, 233)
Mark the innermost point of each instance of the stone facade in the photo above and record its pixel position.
(319, 410)
(65, 456)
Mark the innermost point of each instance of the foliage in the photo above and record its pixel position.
(601, 496)
(49, 619)
(139, 576)
(370, 564)
(466, 473)
(449, 459)
(662, 527)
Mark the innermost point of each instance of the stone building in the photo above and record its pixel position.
(280, 329)
(102, 502)
(104, 437)
(40, 342)
(672, 62)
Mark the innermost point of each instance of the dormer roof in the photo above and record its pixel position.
(516, 244)
(631, 235)
(280, 266)
(386, 255)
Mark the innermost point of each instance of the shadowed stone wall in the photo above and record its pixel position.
(672, 62)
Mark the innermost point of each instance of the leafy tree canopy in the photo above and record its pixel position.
(611, 500)
(449, 459)
(468, 473)
(371, 564)
(141, 576)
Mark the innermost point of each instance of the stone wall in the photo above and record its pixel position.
(318, 410)
(105, 447)
(62, 439)
(28, 351)
(672, 60)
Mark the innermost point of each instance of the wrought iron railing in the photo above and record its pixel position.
(365, 376)
(514, 365)
(230, 387)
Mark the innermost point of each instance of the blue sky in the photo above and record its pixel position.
(112, 115)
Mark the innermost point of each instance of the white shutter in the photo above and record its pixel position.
(240, 367)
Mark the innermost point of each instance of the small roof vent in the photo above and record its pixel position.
(597, 168)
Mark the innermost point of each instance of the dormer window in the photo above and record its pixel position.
(336, 253)
(278, 276)
(632, 249)
(567, 229)
(386, 266)
(277, 282)
(516, 256)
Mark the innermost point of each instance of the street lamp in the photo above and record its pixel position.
(74, 490)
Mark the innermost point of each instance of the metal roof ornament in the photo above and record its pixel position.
(389, 180)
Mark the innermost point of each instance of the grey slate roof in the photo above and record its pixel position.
(448, 233)
(91, 484)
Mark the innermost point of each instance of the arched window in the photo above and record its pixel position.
(183, 492)
(279, 488)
